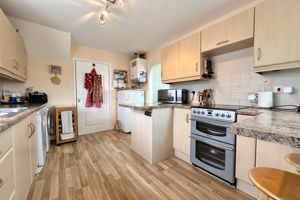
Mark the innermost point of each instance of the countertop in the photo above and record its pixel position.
(276, 126)
(7, 122)
(156, 106)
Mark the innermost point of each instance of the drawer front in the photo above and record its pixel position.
(7, 175)
(5, 142)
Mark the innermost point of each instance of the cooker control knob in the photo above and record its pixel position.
(228, 116)
(194, 111)
(203, 113)
(217, 114)
(223, 115)
(198, 112)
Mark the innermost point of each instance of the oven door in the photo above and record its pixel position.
(213, 129)
(214, 157)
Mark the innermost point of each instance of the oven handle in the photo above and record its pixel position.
(209, 122)
(213, 144)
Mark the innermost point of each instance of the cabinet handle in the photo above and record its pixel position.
(1, 182)
(258, 54)
(32, 128)
(16, 63)
(25, 71)
(223, 42)
(18, 66)
(196, 66)
(0, 152)
(187, 118)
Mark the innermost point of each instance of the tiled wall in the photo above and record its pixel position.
(235, 80)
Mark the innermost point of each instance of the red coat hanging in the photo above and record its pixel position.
(93, 83)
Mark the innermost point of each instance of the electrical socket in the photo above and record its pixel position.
(278, 89)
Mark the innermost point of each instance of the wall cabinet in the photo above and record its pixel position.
(181, 61)
(182, 132)
(190, 57)
(231, 34)
(277, 35)
(13, 57)
(169, 62)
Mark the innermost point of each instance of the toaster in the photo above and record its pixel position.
(37, 97)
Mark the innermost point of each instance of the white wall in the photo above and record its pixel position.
(235, 80)
(42, 41)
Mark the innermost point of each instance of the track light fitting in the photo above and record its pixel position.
(104, 14)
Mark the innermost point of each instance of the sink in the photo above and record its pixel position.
(11, 111)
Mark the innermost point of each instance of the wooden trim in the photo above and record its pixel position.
(234, 46)
(58, 126)
(275, 67)
(9, 75)
(192, 78)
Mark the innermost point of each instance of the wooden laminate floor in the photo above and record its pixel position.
(102, 166)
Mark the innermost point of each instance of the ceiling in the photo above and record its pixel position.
(138, 26)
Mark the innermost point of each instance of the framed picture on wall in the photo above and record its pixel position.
(120, 79)
(54, 69)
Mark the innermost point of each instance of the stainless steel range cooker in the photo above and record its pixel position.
(212, 142)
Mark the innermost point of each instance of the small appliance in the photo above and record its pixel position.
(212, 142)
(37, 97)
(173, 96)
(138, 70)
(265, 99)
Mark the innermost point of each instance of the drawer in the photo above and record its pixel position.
(7, 175)
(5, 142)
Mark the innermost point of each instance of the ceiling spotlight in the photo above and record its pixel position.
(102, 20)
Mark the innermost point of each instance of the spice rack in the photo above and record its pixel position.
(58, 123)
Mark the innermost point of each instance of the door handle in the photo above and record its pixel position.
(78, 100)
(258, 54)
(223, 42)
(1, 182)
(32, 130)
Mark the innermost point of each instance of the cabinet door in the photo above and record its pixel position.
(270, 154)
(189, 57)
(33, 145)
(22, 159)
(6, 49)
(277, 32)
(181, 130)
(236, 29)
(245, 157)
(19, 55)
(169, 61)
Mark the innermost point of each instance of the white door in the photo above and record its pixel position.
(92, 119)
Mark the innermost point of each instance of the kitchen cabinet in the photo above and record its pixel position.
(169, 62)
(13, 57)
(190, 57)
(7, 176)
(33, 146)
(245, 154)
(181, 61)
(272, 155)
(229, 35)
(152, 137)
(181, 133)
(277, 35)
(22, 158)
(245, 157)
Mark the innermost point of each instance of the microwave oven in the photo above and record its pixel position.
(173, 96)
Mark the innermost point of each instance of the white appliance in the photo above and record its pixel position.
(265, 99)
(42, 137)
(128, 97)
(138, 70)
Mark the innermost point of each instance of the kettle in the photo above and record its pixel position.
(265, 99)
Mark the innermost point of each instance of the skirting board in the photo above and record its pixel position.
(182, 156)
(247, 188)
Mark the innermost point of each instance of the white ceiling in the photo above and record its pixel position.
(140, 25)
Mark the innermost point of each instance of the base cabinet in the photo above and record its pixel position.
(22, 159)
(182, 132)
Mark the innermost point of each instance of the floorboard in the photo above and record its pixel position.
(103, 166)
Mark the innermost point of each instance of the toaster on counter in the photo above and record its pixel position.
(37, 97)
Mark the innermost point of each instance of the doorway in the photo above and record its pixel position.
(155, 83)
(92, 119)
